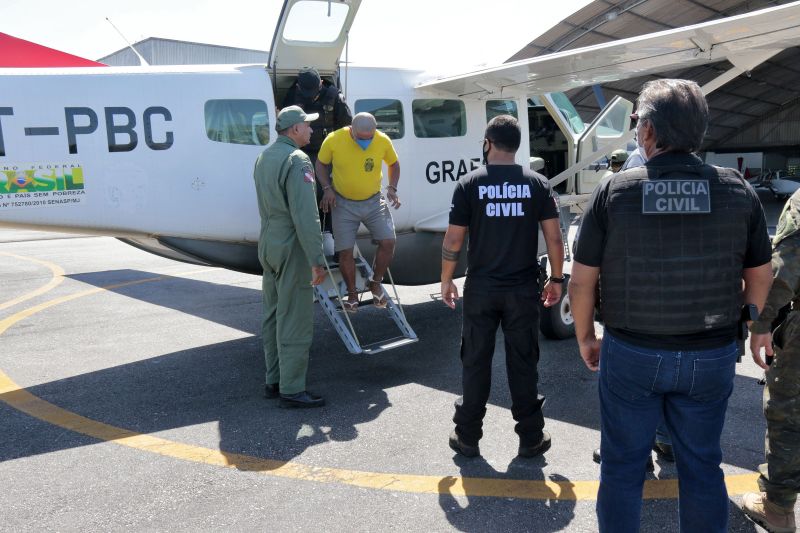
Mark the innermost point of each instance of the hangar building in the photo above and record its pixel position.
(759, 113)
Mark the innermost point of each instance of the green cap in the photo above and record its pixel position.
(289, 116)
(619, 156)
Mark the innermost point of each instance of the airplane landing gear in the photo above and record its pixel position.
(556, 322)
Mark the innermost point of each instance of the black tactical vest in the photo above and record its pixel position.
(674, 256)
(324, 105)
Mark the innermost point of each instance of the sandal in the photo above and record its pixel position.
(350, 306)
(378, 300)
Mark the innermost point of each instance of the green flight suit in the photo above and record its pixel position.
(780, 475)
(290, 243)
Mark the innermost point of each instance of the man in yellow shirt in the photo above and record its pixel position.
(354, 196)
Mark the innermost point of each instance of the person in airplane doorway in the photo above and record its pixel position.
(325, 100)
(353, 195)
(501, 206)
(773, 507)
(672, 242)
(290, 252)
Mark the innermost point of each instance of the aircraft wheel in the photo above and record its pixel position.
(556, 322)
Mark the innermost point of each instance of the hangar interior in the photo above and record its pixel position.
(756, 116)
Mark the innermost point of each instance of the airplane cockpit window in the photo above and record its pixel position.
(320, 22)
(237, 121)
(500, 107)
(388, 114)
(439, 118)
(568, 111)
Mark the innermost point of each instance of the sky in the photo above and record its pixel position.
(405, 33)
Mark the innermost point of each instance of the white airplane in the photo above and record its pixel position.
(162, 157)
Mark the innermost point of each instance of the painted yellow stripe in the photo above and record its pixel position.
(21, 399)
(55, 281)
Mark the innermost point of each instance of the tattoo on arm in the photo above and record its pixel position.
(450, 255)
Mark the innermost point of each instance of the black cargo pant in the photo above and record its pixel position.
(517, 311)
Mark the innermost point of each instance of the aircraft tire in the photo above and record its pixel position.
(556, 322)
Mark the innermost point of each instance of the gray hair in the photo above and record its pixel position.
(364, 123)
(678, 111)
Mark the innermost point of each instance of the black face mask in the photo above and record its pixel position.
(485, 154)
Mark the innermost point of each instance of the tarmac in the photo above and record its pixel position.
(131, 398)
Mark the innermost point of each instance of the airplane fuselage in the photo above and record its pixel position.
(163, 157)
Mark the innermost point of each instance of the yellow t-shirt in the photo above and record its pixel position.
(356, 172)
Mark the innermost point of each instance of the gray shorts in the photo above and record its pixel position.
(349, 214)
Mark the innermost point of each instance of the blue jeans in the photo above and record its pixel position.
(690, 390)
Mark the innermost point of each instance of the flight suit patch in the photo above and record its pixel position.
(308, 175)
(676, 197)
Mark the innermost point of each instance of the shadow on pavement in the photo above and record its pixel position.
(481, 514)
(223, 383)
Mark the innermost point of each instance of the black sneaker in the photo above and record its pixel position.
(271, 391)
(459, 446)
(536, 449)
(664, 451)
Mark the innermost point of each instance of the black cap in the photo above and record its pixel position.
(308, 82)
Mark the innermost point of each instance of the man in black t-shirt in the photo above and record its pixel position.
(672, 243)
(501, 206)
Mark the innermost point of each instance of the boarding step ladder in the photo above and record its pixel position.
(331, 292)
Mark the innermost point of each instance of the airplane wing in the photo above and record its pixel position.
(745, 40)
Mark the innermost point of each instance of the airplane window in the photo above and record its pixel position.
(614, 123)
(237, 121)
(315, 22)
(500, 107)
(388, 114)
(439, 118)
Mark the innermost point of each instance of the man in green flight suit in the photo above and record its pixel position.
(290, 252)
(773, 507)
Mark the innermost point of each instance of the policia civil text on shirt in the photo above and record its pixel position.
(671, 243)
(779, 482)
(501, 206)
(290, 252)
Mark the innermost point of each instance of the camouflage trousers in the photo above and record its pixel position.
(780, 475)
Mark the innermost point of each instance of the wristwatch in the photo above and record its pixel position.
(749, 313)
(555, 279)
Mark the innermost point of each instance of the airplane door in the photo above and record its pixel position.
(613, 122)
(311, 33)
(569, 122)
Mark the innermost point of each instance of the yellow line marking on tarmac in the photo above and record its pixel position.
(22, 400)
(55, 281)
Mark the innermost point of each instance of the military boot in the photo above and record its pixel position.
(770, 516)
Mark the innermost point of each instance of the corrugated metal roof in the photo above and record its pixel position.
(768, 94)
(157, 51)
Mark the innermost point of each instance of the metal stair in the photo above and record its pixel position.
(333, 290)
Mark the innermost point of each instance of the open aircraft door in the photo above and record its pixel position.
(311, 33)
(571, 125)
(613, 122)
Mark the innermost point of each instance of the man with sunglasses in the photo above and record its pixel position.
(672, 243)
(352, 194)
